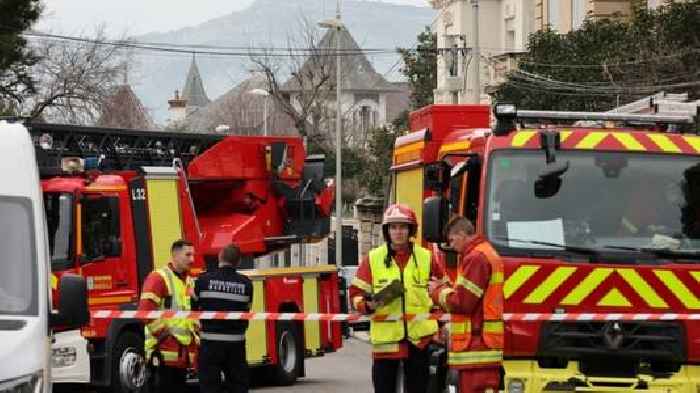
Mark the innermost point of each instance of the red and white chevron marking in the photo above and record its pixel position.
(260, 316)
(601, 317)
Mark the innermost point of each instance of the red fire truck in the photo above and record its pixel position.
(598, 225)
(114, 203)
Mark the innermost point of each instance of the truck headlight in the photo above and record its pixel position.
(516, 386)
(32, 383)
(63, 357)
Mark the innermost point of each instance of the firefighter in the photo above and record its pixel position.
(223, 341)
(475, 300)
(169, 342)
(650, 210)
(393, 279)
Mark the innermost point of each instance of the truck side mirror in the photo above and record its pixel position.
(73, 303)
(437, 176)
(436, 212)
(549, 181)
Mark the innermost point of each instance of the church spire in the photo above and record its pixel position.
(194, 87)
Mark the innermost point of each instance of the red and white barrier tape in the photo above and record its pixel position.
(260, 316)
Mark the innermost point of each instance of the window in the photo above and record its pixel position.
(365, 118)
(59, 220)
(632, 201)
(456, 192)
(100, 228)
(18, 282)
(553, 14)
(578, 13)
(510, 40)
(453, 62)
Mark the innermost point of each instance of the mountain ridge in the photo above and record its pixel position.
(268, 23)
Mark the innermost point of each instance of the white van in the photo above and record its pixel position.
(25, 296)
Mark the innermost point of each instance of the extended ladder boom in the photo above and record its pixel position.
(118, 149)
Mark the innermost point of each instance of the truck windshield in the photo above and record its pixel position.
(59, 218)
(18, 282)
(606, 201)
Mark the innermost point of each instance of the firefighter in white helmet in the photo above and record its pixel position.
(393, 279)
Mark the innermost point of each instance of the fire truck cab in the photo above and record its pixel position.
(598, 225)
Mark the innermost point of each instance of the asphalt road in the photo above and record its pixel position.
(346, 371)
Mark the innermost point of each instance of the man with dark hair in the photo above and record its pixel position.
(475, 300)
(223, 341)
(169, 341)
(180, 244)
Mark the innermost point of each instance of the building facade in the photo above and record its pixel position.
(566, 15)
(368, 100)
(504, 27)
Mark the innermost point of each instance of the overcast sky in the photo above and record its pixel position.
(133, 17)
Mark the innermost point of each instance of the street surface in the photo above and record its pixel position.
(346, 371)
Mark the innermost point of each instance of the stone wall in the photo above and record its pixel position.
(368, 212)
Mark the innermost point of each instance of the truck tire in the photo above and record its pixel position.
(290, 354)
(128, 364)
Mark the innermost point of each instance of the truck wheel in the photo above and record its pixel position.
(128, 364)
(290, 354)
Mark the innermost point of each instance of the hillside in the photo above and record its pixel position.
(268, 23)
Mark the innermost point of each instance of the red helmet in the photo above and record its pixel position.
(399, 214)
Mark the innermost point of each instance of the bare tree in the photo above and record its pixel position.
(74, 80)
(305, 96)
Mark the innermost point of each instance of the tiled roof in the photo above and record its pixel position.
(357, 73)
(124, 110)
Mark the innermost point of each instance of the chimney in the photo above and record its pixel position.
(177, 108)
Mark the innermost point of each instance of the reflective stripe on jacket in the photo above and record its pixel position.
(492, 329)
(385, 335)
(183, 330)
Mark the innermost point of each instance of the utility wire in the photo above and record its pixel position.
(653, 59)
(540, 82)
(237, 51)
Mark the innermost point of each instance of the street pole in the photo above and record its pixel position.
(267, 98)
(476, 54)
(338, 148)
(266, 95)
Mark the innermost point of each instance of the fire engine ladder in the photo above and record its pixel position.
(607, 116)
(118, 149)
(675, 122)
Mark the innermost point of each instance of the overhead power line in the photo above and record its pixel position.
(260, 51)
(532, 81)
(650, 59)
(213, 50)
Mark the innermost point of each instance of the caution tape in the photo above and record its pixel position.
(261, 316)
